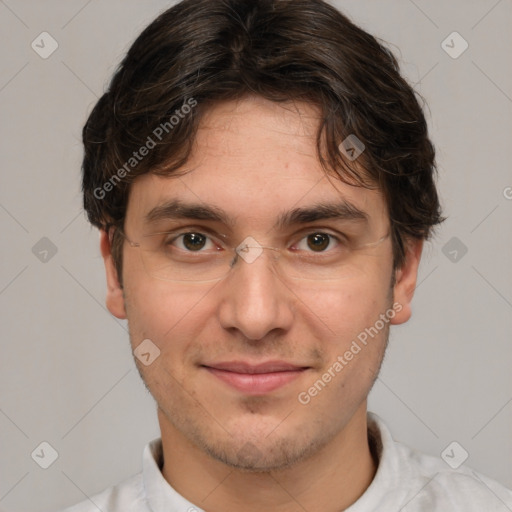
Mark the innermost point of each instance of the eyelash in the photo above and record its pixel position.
(339, 239)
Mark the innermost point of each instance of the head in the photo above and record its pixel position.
(235, 113)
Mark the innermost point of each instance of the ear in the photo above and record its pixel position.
(405, 282)
(115, 298)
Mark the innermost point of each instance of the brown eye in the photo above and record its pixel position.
(193, 241)
(318, 241)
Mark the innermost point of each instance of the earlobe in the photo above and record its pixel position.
(115, 298)
(405, 281)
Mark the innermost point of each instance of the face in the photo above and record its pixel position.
(258, 369)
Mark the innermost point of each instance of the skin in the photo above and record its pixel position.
(224, 449)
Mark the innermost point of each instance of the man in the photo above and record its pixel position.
(263, 181)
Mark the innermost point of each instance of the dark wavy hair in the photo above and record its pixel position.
(282, 50)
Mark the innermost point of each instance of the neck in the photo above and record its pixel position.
(331, 480)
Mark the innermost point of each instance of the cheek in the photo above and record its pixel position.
(156, 308)
(353, 346)
(342, 309)
(163, 311)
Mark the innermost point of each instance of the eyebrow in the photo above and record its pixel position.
(176, 209)
(339, 211)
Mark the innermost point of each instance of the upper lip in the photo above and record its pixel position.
(266, 367)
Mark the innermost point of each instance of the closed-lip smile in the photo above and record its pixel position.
(255, 378)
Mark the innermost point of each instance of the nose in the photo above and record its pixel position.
(255, 300)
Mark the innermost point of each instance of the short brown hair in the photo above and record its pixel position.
(205, 51)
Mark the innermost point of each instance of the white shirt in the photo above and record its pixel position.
(406, 481)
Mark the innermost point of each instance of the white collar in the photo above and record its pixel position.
(388, 488)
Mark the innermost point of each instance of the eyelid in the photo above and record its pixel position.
(213, 237)
(189, 229)
(334, 240)
(224, 239)
(333, 233)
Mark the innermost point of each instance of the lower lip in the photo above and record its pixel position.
(256, 383)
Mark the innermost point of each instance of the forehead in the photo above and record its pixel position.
(254, 160)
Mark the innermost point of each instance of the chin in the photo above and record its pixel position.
(264, 454)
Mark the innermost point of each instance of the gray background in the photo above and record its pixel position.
(67, 375)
